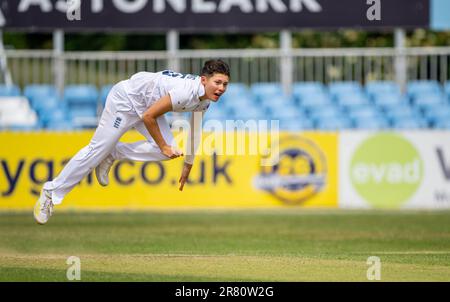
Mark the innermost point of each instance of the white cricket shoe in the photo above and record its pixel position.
(44, 207)
(102, 170)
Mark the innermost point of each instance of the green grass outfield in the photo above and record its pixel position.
(246, 245)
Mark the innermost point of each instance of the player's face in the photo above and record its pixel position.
(215, 86)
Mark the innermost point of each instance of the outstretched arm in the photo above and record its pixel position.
(161, 107)
(195, 137)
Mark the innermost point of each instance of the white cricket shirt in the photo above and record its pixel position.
(145, 88)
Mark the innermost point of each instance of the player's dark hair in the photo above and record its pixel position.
(215, 66)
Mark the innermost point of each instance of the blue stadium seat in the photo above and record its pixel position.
(104, 91)
(363, 112)
(334, 124)
(12, 90)
(46, 104)
(236, 91)
(81, 96)
(443, 124)
(285, 112)
(447, 89)
(82, 102)
(437, 115)
(236, 102)
(63, 125)
(249, 113)
(301, 90)
(58, 115)
(297, 124)
(337, 88)
(317, 113)
(438, 111)
(409, 123)
(386, 100)
(352, 100)
(85, 112)
(307, 87)
(48, 108)
(382, 87)
(424, 101)
(37, 92)
(371, 123)
(270, 103)
(314, 100)
(83, 117)
(421, 87)
(264, 90)
(402, 112)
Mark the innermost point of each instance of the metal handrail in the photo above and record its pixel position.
(248, 65)
(231, 53)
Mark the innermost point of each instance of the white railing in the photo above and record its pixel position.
(247, 65)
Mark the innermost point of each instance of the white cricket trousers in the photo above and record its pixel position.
(117, 118)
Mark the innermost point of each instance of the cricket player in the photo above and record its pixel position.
(139, 102)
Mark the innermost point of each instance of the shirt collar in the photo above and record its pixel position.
(201, 89)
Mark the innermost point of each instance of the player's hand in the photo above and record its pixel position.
(171, 152)
(184, 175)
